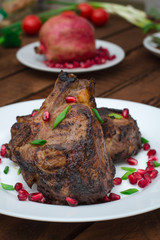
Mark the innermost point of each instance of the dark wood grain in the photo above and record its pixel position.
(137, 78)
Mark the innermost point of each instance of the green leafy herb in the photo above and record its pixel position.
(38, 142)
(129, 191)
(19, 171)
(36, 109)
(143, 140)
(7, 187)
(129, 169)
(6, 169)
(61, 116)
(156, 164)
(125, 176)
(97, 115)
(115, 115)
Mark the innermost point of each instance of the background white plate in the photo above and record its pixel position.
(145, 200)
(28, 57)
(150, 45)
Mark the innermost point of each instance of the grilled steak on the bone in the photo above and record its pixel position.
(74, 161)
(122, 136)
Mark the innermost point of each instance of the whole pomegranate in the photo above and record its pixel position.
(66, 38)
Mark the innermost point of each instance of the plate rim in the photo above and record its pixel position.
(150, 47)
(72, 210)
(112, 63)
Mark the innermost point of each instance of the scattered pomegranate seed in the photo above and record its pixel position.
(22, 191)
(153, 174)
(22, 195)
(151, 152)
(71, 201)
(43, 200)
(34, 112)
(113, 197)
(132, 179)
(141, 171)
(117, 181)
(18, 186)
(46, 116)
(132, 161)
(150, 163)
(102, 55)
(35, 197)
(71, 99)
(147, 177)
(0, 160)
(125, 112)
(149, 169)
(137, 175)
(106, 199)
(143, 183)
(3, 150)
(146, 146)
(154, 158)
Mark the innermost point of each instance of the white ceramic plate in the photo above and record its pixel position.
(145, 200)
(28, 57)
(150, 45)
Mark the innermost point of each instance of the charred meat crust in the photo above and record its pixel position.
(122, 136)
(74, 161)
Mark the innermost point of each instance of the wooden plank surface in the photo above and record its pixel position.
(137, 78)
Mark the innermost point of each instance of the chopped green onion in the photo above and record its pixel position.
(19, 171)
(61, 116)
(97, 115)
(156, 164)
(129, 191)
(115, 115)
(129, 169)
(38, 142)
(143, 140)
(7, 187)
(125, 176)
(6, 169)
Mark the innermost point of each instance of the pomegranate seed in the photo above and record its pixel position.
(137, 175)
(34, 112)
(71, 201)
(3, 150)
(147, 177)
(141, 171)
(35, 197)
(46, 116)
(154, 158)
(23, 192)
(146, 146)
(18, 186)
(112, 57)
(153, 174)
(132, 161)
(106, 199)
(113, 197)
(71, 99)
(117, 181)
(143, 183)
(132, 179)
(43, 200)
(150, 163)
(0, 160)
(22, 195)
(125, 112)
(149, 169)
(151, 152)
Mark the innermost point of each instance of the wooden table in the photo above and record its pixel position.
(137, 79)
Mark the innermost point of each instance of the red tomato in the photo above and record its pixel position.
(69, 13)
(85, 10)
(99, 17)
(31, 24)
